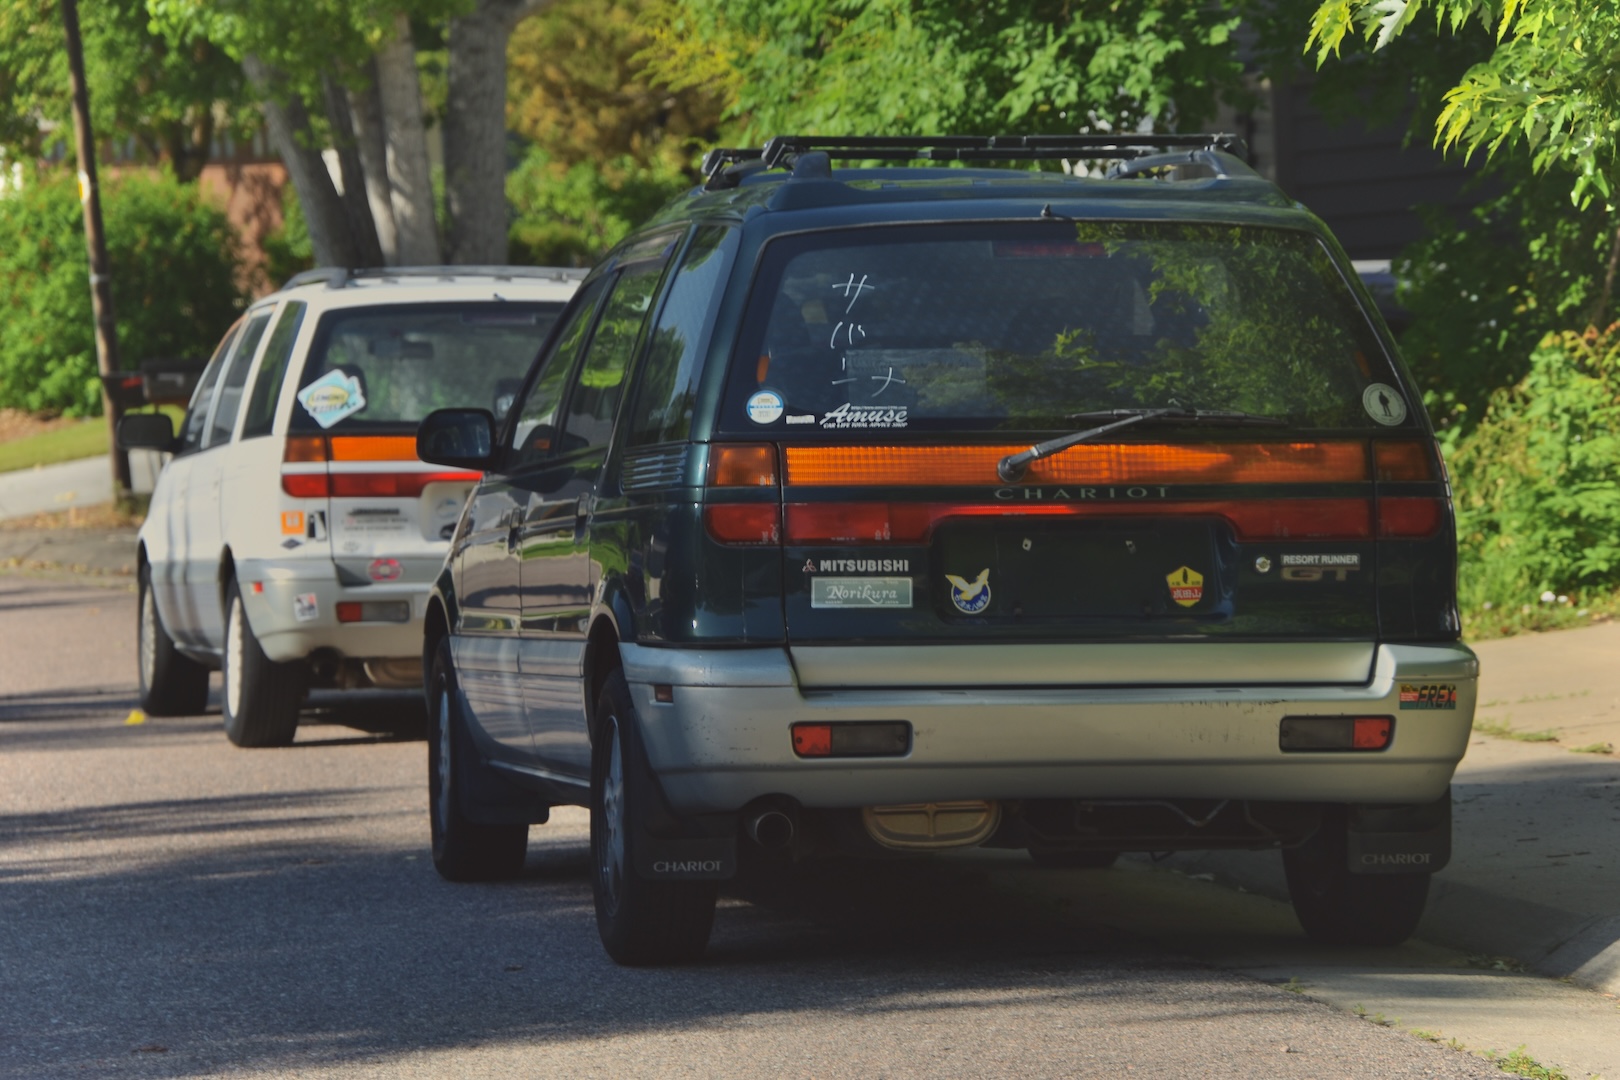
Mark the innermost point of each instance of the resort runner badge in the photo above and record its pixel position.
(1186, 586)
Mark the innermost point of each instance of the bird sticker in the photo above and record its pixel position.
(970, 597)
(1186, 586)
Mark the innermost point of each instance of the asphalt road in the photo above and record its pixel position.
(172, 906)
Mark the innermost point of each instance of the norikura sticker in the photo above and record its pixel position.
(332, 397)
(1384, 404)
(1428, 695)
(878, 592)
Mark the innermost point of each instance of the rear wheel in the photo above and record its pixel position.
(641, 921)
(172, 684)
(463, 850)
(1337, 907)
(261, 697)
(1067, 859)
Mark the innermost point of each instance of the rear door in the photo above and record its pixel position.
(489, 571)
(205, 539)
(897, 368)
(174, 498)
(558, 575)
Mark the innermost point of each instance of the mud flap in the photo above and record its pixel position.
(488, 796)
(666, 847)
(1400, 839)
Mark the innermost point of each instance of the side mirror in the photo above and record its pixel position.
(146, 431)
(459, 438)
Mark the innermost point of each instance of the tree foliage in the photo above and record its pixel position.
(608, 146)
(167, 94)
(948, 66)
(174, 292)
(1551, 85)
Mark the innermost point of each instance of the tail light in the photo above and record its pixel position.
(308, 450)
(744, 467)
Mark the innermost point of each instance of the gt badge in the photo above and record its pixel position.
(970, 597)
(1186, 586)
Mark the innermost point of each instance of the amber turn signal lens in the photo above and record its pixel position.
(307, 448)
(1398, 461)
(374, 448)
(743, 465)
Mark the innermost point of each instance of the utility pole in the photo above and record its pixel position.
(96, 241)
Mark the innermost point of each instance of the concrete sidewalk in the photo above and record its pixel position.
(86, 482)
(1534, 877)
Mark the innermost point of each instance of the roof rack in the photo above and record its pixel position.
(787, 150)
(338, 277)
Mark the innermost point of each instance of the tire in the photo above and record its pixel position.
(641, 921)
(171, 683)
(1067, 859)
(1337, 907)
(463, 850)
(260, 697)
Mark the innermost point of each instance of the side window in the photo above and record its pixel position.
(202, 397)
(536, 431)
(261, 410)
(233, 380)
(662, 411)
(601, 378)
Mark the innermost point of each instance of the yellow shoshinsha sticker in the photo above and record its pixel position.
(1186, 586)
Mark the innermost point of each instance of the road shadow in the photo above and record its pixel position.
(279, 938)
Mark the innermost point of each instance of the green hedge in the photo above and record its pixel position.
(1538, 490)
(175, 287)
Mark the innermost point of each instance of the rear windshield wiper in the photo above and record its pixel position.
(1012, 467)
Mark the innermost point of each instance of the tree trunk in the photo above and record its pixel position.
(365, 110)
(475, 130)
(409, 175)
(356, 206)
(288, 121)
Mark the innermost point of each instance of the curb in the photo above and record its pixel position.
(1547, 940)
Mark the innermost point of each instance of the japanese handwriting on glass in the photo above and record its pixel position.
(853, 289)
(849, 334)
(887, 380)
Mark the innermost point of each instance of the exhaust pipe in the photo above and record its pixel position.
(770, 828)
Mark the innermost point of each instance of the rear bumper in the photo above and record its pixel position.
(725, 741)
(280, 614)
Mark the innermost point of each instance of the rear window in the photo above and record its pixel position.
(389, 366)
(1008, 326)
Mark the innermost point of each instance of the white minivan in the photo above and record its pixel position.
(293, 536)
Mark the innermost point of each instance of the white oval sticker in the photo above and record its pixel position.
(765, 407)
(1384, 404)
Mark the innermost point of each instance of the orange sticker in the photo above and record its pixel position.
(292, 523)
(1186, 586)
